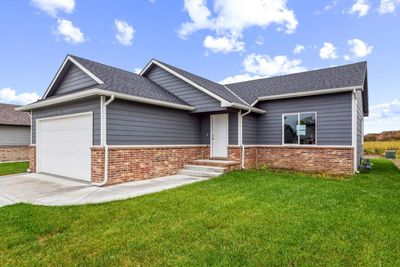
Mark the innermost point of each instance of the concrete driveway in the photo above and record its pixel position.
(43, 189)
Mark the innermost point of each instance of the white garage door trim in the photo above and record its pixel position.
(83, 174)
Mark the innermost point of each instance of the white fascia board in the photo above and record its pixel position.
(66, 60)
(308, 93)
(244, 107)
(85, 70)
(201, 88)
(96, 91)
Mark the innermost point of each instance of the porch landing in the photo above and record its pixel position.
(209, 167)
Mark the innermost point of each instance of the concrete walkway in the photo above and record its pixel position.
(49, 190)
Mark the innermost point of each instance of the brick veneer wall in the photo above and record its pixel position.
(332, 160)
(137, 163)
(250, 159)
(32, 158)
(97, 166)
(14, 153)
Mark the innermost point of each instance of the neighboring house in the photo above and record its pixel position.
(15, 131)
(106, 125)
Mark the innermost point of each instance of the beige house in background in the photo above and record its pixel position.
(14, 134)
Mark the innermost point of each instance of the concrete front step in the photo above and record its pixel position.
(205, 168)
(198, 173)
(216, 163)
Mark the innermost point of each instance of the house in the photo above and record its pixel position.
(15, 131)
(106, 125)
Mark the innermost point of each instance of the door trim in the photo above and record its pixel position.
(38, 132)
(226, 115)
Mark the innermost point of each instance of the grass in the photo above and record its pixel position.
(13, 167)
(242, 218)
(379, 147)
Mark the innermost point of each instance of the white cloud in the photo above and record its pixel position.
(259, 40)
(10, 96)
(360, 7)
(124, 33)
(328, 51)
(137, 70)
(347, 57)
(359, 48)
(261, 66)
(264, 65)
(298, 49)
(331, 5)
(52, 7)
(231, 17)
(69, 32)
(383, 117)
(223, 44)
(388, 6)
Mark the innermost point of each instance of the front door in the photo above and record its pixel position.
(219, 136)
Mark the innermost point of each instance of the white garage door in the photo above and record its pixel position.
(63, 145)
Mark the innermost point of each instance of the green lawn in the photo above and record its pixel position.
(242, 218)
(13, 167)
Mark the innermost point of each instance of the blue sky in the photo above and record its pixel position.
(223, 40)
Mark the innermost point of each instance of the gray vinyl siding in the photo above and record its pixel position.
(334, 119)
(250, 131)
(233, 127)
(130, 123)
(205, 129)
(183, 90)
(11, 135)
(84, 105)
(360, 122)
(74, 79)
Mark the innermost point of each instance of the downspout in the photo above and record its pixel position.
(241, 138)
(354, 112)
(30, 115)
(104, 141)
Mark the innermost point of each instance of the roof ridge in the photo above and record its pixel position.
(187, 71)
(106, 65)
(300, 72)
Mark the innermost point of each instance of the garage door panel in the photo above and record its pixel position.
(63, 146)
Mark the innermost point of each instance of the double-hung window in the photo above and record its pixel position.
(299, 128)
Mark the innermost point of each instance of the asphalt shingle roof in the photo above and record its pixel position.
(213, 87)
(130, 83)
(328, 78)
(126, 82)
(9, 116)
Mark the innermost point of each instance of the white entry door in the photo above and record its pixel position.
(219, 136)
(63, 145)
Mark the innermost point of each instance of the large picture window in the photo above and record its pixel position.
(299, 128)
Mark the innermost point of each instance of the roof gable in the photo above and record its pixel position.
(193, 96)
(126, 82)
(71, 76)
(211, 88)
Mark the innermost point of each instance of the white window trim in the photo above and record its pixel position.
(298, 120)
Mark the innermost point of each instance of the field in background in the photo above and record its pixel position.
(379, 147)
